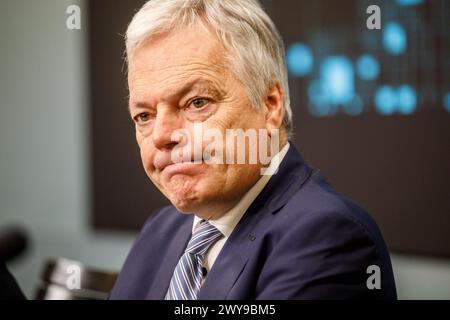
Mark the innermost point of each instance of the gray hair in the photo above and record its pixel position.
(255, 48)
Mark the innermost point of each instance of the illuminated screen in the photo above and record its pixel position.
(371, 110)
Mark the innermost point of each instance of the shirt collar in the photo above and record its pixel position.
(226, 223)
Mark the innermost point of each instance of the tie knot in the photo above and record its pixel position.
(204, 236)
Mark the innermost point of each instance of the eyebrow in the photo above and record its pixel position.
(185, 89)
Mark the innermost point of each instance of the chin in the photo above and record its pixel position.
(186, 206)
(184, 199)
(190, 194)
(191, 203)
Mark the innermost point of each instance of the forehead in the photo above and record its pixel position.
(176, 57)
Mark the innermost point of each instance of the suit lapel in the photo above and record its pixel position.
(231, 260)
(230, 263)
(169, 261)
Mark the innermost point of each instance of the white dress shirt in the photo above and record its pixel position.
(228, 221)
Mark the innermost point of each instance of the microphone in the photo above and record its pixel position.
(13, 241)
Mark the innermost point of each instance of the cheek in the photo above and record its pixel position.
(240, 115)
(211, 183)
(139, 139)
(147, 151)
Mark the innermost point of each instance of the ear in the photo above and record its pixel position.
(274, 107)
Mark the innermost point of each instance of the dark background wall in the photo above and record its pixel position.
(46, 160)
(381, 137)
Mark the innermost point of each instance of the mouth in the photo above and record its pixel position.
(161, 165)
(184, 168)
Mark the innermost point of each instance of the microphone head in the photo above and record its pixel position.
(13, 241)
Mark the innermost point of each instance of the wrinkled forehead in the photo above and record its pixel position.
(165, 64)
(193, 46)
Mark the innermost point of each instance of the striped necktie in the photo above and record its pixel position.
(187, 277)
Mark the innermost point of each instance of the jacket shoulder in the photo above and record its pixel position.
(318, 202)
(327, 243)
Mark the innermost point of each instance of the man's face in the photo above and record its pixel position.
(176, 80)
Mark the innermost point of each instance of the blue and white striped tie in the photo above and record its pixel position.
(187, 277)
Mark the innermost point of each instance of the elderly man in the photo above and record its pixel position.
(235, 229)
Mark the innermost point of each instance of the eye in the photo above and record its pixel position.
(199, 102)
(142, 117)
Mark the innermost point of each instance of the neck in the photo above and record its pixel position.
(215, 211)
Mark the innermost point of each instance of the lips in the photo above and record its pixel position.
(163, 160)
(160, 164)
(185, 168)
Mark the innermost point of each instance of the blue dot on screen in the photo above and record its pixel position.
(319, 101)
(315, 92)
(385, 100)
(406, 99)
(337, 79)
(394, 38)
(323, 109)
(447, 102)
(299, 59)
(367, 67)
(408, 2)
(355, 107)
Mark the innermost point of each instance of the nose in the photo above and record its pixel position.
(166, 121)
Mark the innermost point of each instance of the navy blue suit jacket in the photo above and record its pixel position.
(299, 239)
